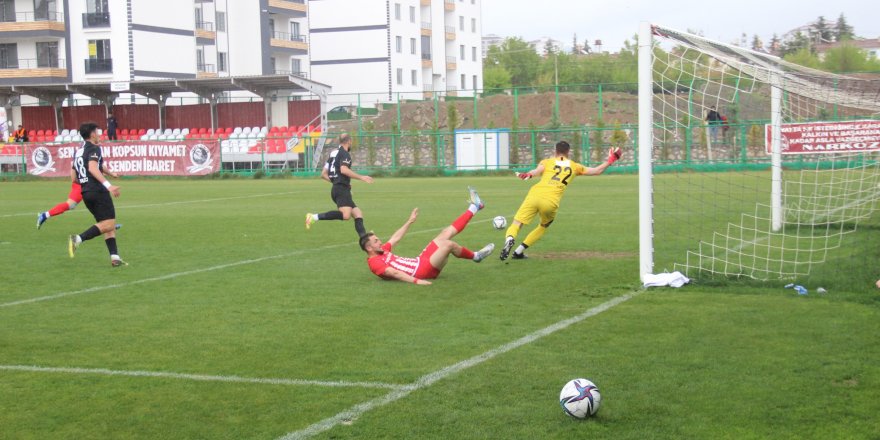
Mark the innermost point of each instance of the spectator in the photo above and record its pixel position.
(111, 127)
(21, 134)
(714, 120)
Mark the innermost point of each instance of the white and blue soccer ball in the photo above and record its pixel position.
(499, 222)
(580, 398)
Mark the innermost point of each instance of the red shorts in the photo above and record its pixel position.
(75, 193)
(425, 270)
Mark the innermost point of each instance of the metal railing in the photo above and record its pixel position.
(34, 63)
(286, 36)
(206, 68)
(99, 65)
(31, 16)
(205, 26)
(292, 73)
(426, 56)
(451, 60)
(426, 25)
(96, 19)
(450, 29)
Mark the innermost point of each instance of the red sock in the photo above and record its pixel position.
(466, 253)
(59, 209)
(462, 221)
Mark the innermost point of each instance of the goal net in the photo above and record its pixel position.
(753, 167)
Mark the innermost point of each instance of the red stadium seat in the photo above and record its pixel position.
(54, 132)
(123, 132)
(202, 131)
(41, 132)
(142, 132)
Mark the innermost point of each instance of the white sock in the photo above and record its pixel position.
(315, 217)
(78, 239)
(519, 249)
(47, 214)
(473, 208)
(114, 257)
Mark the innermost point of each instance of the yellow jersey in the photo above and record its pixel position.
(558, 173)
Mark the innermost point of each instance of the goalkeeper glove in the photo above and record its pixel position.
(613, 155)
(524, 176)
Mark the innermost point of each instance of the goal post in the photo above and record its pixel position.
(724, 190)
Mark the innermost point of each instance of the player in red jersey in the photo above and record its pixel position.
(73, 199)
(431, 261)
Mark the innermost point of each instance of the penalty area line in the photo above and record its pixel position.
(198, 377)
(429, 379)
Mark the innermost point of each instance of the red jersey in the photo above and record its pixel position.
(378, 263)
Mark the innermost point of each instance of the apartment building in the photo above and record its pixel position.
(59, 41)
(391, 48)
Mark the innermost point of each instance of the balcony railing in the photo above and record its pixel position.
(292, 73)
(289, 37)
(31, 16)
(206, 68)
(96, 19)
(426, 25)
(426, 56)
(99, 65)
(43, 63)
(205, 26)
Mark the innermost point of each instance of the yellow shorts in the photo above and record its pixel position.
(536, 205)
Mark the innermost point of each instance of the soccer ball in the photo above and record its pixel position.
(499, 222)
(580, 398)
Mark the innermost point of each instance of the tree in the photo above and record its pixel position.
(843, 31)
(549, 48)
(574, 45)
(821, 32)
(518, 58)
(757, 44)
(775, 44)
(798, 42)
(495, 77)
(849, 58)
(587, 48)
(804, 57)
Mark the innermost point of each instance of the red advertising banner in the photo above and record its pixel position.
(134, 158)
(827, 137)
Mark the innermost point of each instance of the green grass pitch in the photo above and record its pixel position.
(234, 322)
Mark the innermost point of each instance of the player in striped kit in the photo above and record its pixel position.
(431, 261)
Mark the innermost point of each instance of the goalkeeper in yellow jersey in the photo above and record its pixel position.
(544, 197)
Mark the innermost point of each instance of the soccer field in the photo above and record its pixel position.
(234, 322)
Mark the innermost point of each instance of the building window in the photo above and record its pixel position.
(294, 31)
(295, 66)
(9, 56)
(463, 82)
(47, 54)
(398, 43)
(461, 23)
(221, 61)
(414, 77)
(100, 60)
(412, 14)
(400, 77)
(474, 25)
(45, 10)
(461, 52)
(397, 11)
(97, 14)
(426, 47)
(412, 46)
(475, 82)
(7, 10)
(221, 21)
(474, 53)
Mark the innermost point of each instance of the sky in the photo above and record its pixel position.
(616, 21)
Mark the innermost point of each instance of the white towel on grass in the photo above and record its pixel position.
(674, 279)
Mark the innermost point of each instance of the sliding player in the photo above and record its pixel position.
(544, 197)
(431, 261)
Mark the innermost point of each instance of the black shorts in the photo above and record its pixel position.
(100, 204)
(341, 195)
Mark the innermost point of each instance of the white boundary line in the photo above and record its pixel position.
(191, 272)
(427, 380)
(199, 377)
(179, 202)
